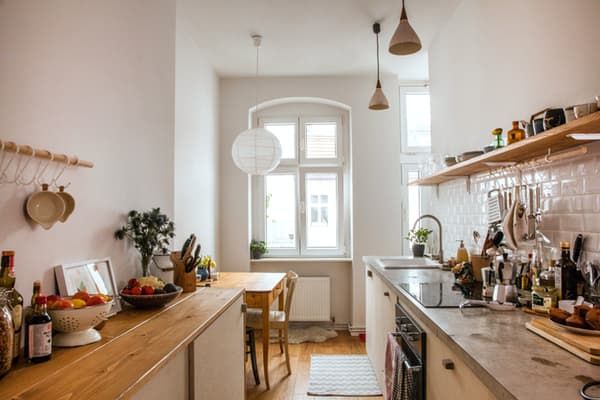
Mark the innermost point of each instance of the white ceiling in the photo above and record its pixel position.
(311, 37)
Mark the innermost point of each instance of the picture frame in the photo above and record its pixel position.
(93, 276)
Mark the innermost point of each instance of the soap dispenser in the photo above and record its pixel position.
(462, 254)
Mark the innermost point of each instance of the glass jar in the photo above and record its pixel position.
(6, 339)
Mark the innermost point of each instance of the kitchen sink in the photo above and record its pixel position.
(407, 263)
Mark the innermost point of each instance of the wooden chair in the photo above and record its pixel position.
(278, 319)
(251, 351)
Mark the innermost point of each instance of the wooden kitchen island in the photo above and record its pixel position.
(191, 349)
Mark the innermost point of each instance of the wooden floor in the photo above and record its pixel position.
(293, 387)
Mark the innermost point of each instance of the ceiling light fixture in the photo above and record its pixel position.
(405, 40)
(256, 151)
(378, 100)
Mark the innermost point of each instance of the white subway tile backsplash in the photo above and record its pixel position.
(571, 222)
(570, 202)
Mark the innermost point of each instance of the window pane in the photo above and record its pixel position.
(321, 140)
(414, 201)
(280, 201)
(321, 229)
(286, 133)
(418, 120)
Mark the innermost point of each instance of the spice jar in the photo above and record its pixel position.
(6, 339)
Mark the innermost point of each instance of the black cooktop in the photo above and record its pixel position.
(441, 294)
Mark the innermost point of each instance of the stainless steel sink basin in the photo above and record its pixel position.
(407, 263)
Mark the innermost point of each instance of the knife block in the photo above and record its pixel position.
(187, 280)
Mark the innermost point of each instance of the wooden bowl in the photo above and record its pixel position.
(151, 300)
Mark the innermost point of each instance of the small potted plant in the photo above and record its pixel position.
(418, 238)
(258, 248)
(150, 232)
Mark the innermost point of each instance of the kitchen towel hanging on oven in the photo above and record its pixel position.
(400, 384)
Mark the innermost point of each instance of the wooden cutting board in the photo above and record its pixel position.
(584, 347)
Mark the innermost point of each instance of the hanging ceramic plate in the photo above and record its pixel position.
(45, 207)
(69, 203)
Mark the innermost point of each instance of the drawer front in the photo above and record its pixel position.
(254, 300)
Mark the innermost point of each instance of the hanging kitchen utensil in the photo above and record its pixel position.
(45, 207)
(531, 216)
(519, 232)
(507, 225)
(494, 207)
(69, 203)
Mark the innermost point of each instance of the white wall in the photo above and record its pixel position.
(498, 61)
(375, 158)
(494, 62)
(93, 79)
(196, 141)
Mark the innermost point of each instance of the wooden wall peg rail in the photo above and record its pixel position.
(27, 150)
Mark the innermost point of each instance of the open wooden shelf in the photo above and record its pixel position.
(554, 140)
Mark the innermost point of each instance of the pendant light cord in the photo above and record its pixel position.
(377, 39)
(256, 87)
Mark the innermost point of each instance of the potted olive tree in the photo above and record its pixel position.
(258, 248)
(418, 238)
(150, 232)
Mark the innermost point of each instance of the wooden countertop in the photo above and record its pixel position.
(135, 345)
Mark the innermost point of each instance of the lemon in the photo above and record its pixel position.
(78, 303)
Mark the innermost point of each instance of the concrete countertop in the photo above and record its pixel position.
(511, 361)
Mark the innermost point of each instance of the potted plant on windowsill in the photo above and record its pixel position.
(418, 238)
(150, 232)
(258, 248)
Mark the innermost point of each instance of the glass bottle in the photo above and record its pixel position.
(38, 339)
(566, 275)
(499, 141)
(15, 300)
(516, 134)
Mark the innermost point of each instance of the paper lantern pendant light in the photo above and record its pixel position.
(405, 40)
(378, 100)
(256, 151)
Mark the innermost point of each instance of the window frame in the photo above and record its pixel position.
(404, 91)
(301, 167)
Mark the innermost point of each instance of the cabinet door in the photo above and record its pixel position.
(371, 311)
(458, 383)
(170, 382)
(218, 357)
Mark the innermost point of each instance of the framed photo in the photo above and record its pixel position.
(93, 276)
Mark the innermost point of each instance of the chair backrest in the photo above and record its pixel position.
(291, 280)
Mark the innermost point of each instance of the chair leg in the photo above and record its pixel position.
(252, 345)
(280, 336)
(287, 350)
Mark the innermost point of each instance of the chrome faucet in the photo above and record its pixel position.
(439, 224)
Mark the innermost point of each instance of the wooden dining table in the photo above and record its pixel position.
(262, 288)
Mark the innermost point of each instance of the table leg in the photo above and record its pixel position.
(266, 334)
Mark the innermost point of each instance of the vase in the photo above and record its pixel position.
(418, 249)
(203, 274)
(146, 264)
(256, 255)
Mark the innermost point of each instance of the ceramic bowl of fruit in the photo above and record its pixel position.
(74, 318)
(149, 292)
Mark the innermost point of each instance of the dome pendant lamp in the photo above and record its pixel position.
(378, 100)
(405, 40)
(256, 151)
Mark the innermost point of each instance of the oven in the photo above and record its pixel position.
(411, 340)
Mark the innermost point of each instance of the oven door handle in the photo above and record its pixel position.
(416, 368)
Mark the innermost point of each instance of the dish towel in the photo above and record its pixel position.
(392, 352)
(405, 388)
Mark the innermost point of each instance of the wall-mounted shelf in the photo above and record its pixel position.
(553, 140)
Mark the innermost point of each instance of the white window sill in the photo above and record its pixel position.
(300, 259)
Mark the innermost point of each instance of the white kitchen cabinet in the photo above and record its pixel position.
(218, 357)
(170, 382)
(380, 319)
